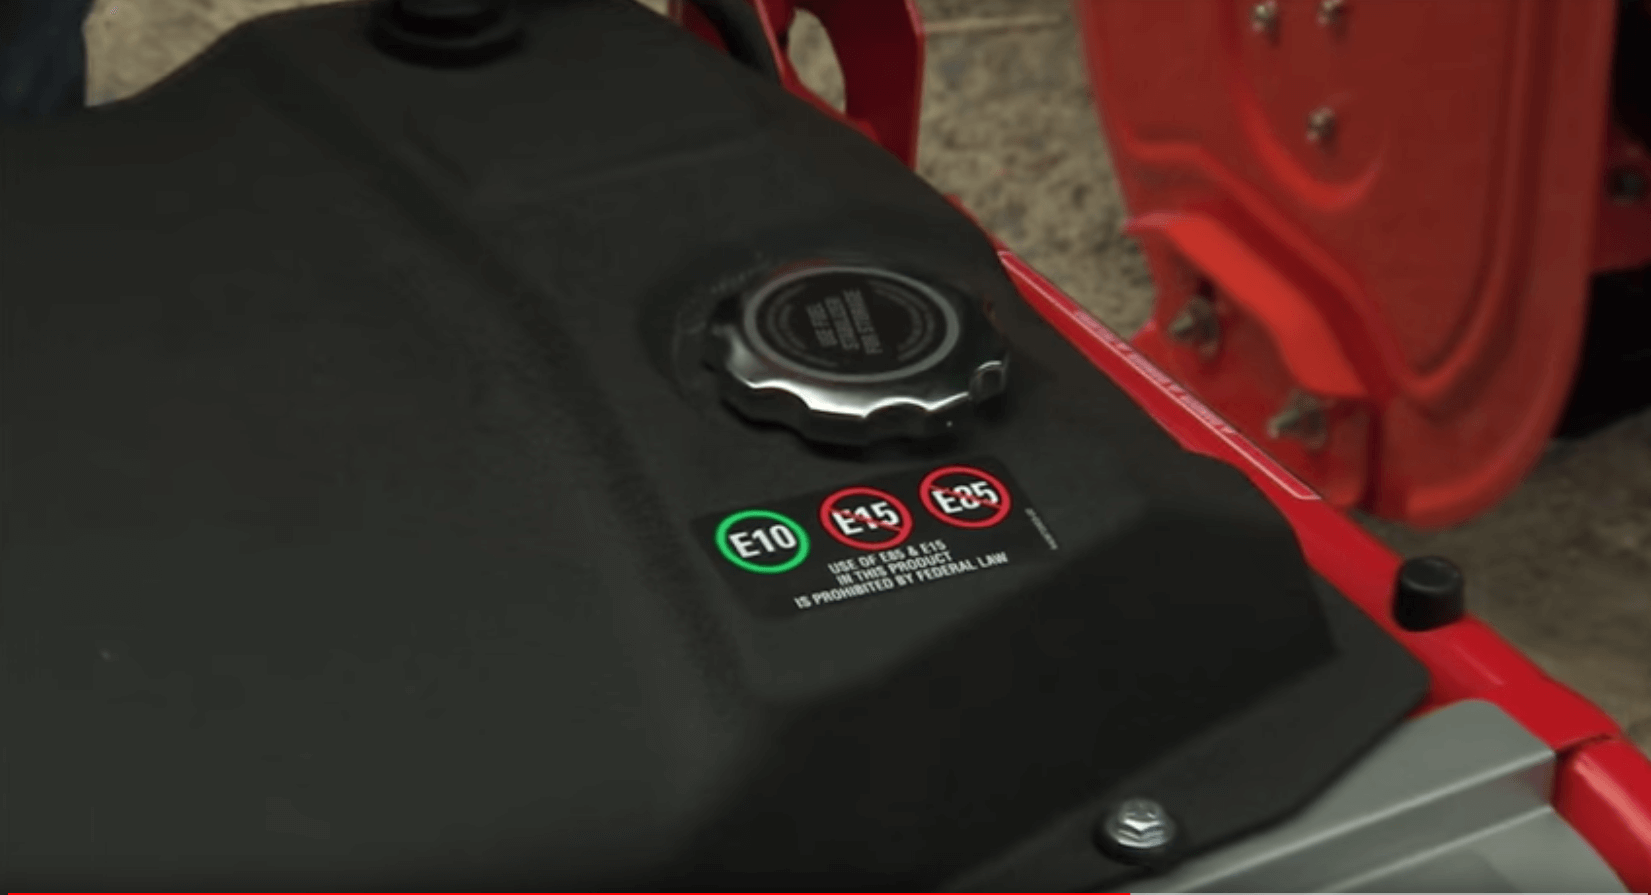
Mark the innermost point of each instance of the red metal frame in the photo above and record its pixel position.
(879, 46)
(1436, 240)
(1603, 784)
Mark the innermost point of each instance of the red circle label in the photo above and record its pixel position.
(965, 497)
(865, 518)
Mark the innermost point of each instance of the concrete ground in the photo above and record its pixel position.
(1562, 568)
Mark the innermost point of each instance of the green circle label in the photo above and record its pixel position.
(762, 541)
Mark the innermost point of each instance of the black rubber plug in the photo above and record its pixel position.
(446, 33)
(1430, 593)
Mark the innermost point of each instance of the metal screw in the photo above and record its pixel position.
(1139, 825)
(1198, 324)
(1626, 185)
(1264, 17)
(1331, 11)
(1301, 418)
(1321, 125)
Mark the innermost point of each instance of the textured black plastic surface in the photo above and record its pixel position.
(353, 425)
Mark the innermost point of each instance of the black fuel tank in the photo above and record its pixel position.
(378, 513)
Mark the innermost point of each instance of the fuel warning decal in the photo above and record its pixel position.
(875, 536)
(866, 518)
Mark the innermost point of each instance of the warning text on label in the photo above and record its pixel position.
(893, 569)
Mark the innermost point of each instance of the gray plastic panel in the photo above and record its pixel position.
(1454, 801)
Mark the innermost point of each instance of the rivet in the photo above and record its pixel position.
(1264, 17)
(1321, 125)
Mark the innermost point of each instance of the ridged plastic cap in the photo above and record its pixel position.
(854, 355)
(1430, 593)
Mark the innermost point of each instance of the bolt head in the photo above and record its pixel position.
(1264, 17)
(1302, 419)
(1197, 324)
(1321, 124)
(1331, 11)
(1140, 825)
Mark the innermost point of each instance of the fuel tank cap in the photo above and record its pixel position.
(851, 355)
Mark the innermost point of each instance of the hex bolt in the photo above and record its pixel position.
(1198, 324)
(1626, 185)
(1264, 17)
(1136, 830)
(1321, 125)
(1302, 419)
(1331, 12)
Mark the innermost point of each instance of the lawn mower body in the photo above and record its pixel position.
(443, 471)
